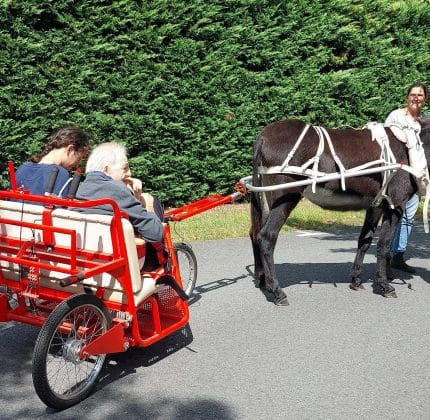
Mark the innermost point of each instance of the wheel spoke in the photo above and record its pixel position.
(66, 377)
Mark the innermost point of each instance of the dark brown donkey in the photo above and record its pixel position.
(270, 210)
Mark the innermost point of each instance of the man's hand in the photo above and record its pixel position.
(134, 185)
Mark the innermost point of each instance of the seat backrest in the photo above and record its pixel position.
(93, 233)
(20, 212)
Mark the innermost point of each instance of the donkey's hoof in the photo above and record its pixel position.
(281, 301)
(390, 294)
(387, 291)
(355, 286)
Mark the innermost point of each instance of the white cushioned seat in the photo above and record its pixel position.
(93, 233)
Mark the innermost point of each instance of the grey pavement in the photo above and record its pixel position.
(332, 354)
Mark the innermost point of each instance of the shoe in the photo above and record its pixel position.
(399, 263)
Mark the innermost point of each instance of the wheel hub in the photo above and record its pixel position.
(72, 349)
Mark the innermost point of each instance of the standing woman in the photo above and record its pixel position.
(407, 117)
(66, 147)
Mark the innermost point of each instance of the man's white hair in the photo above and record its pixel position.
(106, 155)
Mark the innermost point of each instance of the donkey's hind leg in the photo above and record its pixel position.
(373, 214)
(267, 239)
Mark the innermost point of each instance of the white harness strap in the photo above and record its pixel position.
(380, 136)
(335, 157)
(313, 173)
(419, 169)
(385, 164)
(410, 136)
(296, 146)
(316, 159)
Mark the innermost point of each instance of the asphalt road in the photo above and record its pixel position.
(332, 354)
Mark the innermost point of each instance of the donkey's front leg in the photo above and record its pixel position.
(389, 223)
(373, 214)
(258, 264)
(256, 222)
(267, 239)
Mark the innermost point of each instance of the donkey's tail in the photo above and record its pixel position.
(256, 161)
(256, 209)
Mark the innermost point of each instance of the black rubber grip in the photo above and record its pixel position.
(74, 185)
(51, 180)
(70, 280)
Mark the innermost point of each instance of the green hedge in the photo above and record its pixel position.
(188, 84)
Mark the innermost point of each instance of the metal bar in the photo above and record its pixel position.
(61, 202)
(200, 206)
(12, 177)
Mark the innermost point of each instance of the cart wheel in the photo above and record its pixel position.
(61, 377)
(187, 266)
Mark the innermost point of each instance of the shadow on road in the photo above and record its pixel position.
(316, 272)
(123, 364)
(199, 291)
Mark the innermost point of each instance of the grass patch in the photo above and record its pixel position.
(233, 220)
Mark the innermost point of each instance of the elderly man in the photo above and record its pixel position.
(108, 175)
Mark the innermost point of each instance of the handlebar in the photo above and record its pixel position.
(51, 180)
(71, 280)
(74, 184)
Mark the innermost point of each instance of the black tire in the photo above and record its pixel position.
(187, 262)
(60, 377)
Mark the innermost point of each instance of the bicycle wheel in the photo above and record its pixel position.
(61, 377)
(187, 266)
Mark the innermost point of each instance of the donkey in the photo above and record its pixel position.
(349, 148)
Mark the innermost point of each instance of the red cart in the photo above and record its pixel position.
(85, 282)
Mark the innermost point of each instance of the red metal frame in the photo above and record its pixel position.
(201, 206)
(156, 317)
(82, 264)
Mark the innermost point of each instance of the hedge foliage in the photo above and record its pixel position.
(188, 84)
